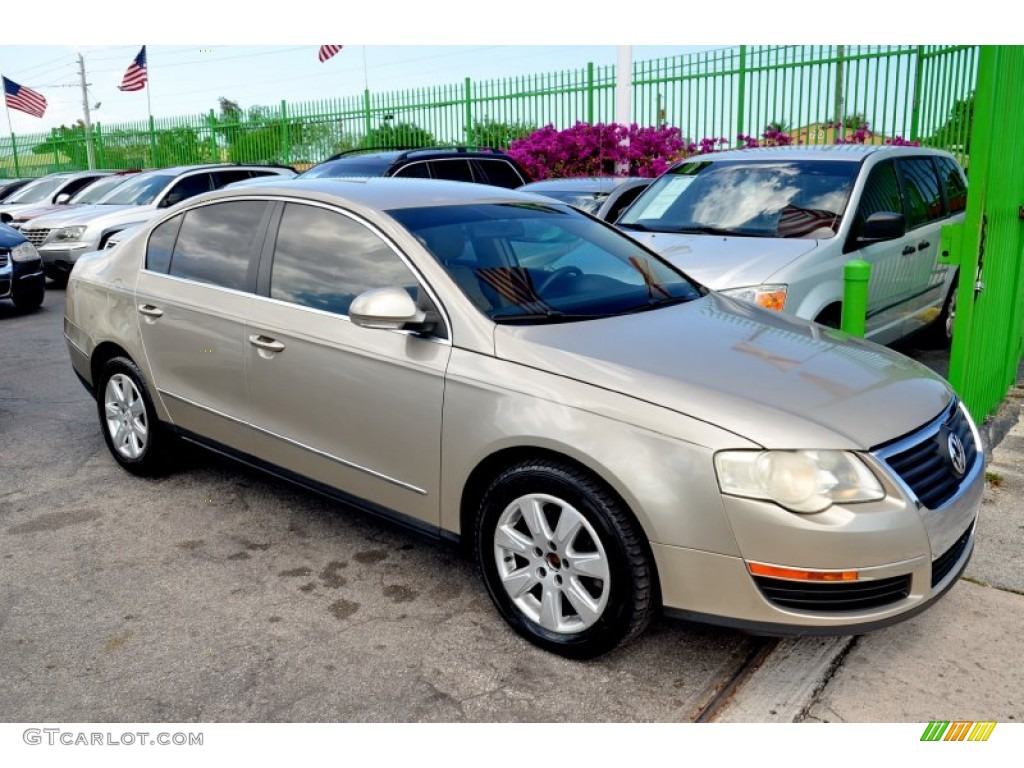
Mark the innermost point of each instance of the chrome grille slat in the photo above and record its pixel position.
(35, 236)
(922, 459)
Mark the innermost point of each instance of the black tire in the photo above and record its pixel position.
(609, 538)
(60, 279)
(940, 333)
(28, 299)
(150, 458)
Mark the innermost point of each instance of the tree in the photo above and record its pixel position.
(955, 132)
(498, 135)
(65, 142)
(400, 135)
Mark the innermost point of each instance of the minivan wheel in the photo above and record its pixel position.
(564, 562)
(136, 439)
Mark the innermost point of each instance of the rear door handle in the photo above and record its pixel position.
(266, 343)
(150, 311)
(922, 245)
(909, 249)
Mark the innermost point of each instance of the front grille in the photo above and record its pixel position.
(35, 236)
(835, 595)
(943, 564)
(925, 466)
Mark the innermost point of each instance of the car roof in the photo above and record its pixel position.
(853, 153)
(383, 193)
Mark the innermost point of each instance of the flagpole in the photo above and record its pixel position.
(149, 111)
(14, 145)
(366, 75)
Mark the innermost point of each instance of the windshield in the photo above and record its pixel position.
(347, 167)
(141, 190)
(97, 189)
(533, 263)
(802, 198)
(37, 191)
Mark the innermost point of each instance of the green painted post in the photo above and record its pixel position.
(286, 143)
(856, 276)
(915, 104)
(741, 97)
(366, 113)
(14, 151)
(152, 144)
(590, 92)
(469, 112)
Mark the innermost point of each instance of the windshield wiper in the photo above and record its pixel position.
(635, 227)
(550, 316)
(659, 303)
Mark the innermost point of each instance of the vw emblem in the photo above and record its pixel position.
(956, 454)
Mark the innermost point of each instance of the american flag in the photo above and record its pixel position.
(135, 77)
(24, 99)
(326, 51)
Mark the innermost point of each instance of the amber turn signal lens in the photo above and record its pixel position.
(772, 300)
(796, 574)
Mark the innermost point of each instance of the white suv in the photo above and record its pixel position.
(776, 225)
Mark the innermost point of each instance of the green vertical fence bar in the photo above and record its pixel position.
(741, 93)
(988, 338)
(14, 152)
(469, 111)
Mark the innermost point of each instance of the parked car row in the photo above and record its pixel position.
(609, 437)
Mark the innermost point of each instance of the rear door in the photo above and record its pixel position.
(925, 211)
(193, 297)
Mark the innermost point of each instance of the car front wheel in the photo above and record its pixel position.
(136, 439)
(564, 562)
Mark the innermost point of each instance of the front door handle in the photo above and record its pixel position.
(270, 345)
(909, 249)
(922, 245)
(150, 311)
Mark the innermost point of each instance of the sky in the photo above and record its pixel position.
(255, 55)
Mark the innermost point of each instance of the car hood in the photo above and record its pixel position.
(99, 215)
(726, 262)
(776, 380)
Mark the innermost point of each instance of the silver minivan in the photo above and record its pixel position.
(775, 226)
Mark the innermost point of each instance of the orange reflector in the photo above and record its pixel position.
(772, 300)
(777, 572)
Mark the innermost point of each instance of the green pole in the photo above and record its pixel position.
(469, 112)
(152, 143)
(366, 110)
(741, 97)
(286, 149)
(590, 92)
(915, 104)
(856, 276)
(14, 149)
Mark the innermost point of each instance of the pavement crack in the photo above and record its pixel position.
(833, 668)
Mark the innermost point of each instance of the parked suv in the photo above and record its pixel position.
(62, 237)
(87, 195)
(485, 166)
(776, 225)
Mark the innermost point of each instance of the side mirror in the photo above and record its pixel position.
(62, 198)
(389, 309)
(882, 226)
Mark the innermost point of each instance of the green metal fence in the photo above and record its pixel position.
(815, 93)
(988, 340)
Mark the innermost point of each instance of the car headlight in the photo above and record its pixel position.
(800, 481)
(25, 252)
(69, 233)
(768, 296)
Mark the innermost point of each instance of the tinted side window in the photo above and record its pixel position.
(953, 184)
(161, 245)
(453, 170)
(499, 173)
(222, 178)
(414, 171)
(188, 187)
(881, 194)
(324, 260)
(215, 243)
(921, 191)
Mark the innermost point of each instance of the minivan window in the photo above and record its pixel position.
(323, 260)
(953, 184)
(216, 242)
(881, 193)
(921, 191)
(746, 198)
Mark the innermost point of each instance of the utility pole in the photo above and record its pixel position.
(85, 107)
(623, 97)
(840, 116)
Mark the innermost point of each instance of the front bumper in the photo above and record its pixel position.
(19, 276)
(59, 259)
(906, 556)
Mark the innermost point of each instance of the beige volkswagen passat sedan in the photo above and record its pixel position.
(608, 437)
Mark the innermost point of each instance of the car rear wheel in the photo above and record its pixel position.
(563, 560)
(136, 439)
